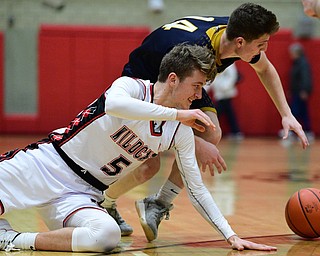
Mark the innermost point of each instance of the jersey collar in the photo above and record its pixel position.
(215, 34)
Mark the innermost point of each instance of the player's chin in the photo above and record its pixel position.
(188, 104)
(247, 59)
(185, 106)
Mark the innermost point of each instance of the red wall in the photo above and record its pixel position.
(76, 63)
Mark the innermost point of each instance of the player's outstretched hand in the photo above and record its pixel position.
(190, 116)
(240, 244)
(250, 253)
(290, 123)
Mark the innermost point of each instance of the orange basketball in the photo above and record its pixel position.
(303, 212)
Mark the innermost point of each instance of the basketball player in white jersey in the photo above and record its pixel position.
(64, 176)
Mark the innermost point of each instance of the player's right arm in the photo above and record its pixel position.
(269, 77)
(125, 99)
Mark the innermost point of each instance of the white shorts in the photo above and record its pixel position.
(40, 178)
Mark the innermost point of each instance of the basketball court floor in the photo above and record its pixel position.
(262, 174)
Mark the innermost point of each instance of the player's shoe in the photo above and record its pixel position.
(7, 235)
(126, 229)
(151, 213)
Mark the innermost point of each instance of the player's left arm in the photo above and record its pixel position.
(269, 77)
(199, 195)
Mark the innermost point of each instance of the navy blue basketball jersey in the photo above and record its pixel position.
(144, 61)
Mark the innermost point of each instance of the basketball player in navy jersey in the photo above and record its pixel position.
(242, 36)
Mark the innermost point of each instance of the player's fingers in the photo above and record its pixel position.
(211, 169)
(304, 143)
(261, 247)
(222, 163)
(303, 139)
(218, 165)
(285, 134)
(250, 253)
(206, 120)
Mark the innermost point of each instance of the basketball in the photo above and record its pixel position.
(303, 213)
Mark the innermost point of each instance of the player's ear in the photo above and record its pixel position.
(173, 79)
(239, 41)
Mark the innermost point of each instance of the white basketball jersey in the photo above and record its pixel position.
(108, 146)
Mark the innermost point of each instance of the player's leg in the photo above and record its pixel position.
(22, 186)
(143, 173)
(87, 230)
(154, 208)
(93, 229)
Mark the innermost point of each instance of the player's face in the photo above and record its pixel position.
(189, 89)
(247, 50)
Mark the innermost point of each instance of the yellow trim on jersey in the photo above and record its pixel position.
(215, 34)
(209, 109)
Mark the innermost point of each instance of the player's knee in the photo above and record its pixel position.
(147, 170)
(99, 236)
(107, 238)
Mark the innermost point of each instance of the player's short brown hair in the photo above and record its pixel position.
(251, 21)
(183, 59)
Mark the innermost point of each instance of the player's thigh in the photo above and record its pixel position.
(147, 170)
(57, 213)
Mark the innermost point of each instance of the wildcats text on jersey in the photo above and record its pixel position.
(129, 142)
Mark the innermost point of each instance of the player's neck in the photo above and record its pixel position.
(161, 95)
(226, 49)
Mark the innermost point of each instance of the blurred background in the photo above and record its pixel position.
(56, 56)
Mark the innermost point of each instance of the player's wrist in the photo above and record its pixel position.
(232, 239)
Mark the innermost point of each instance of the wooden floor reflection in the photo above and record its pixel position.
(262, 174)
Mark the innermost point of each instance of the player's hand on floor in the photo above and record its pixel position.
(250, 253)
(240, 244)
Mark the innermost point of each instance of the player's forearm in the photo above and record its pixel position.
(206, 206)
(272, 83)
(133, 109)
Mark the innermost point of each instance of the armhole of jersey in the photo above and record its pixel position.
(174, 134)
(145, 89)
